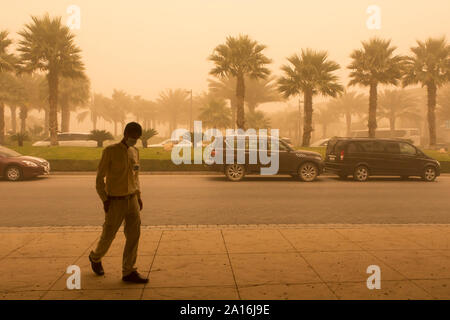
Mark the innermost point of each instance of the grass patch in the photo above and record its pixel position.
(87, 153)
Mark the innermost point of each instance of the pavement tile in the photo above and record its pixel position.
(12, 241)
(148, 243)
(390, 290)
(417, 264)
(427, 237)
(347, 266)
(21, 295)
(191, 293)
(179, 242)
(191, 270)
(20, 274)
(122, 294)
(58, 245)
(440, 289)
(378, 238)
(112, 279)
(256, 241)
(314, 291)
(271, 268)
(318, 240)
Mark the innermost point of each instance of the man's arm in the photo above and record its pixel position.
(101, 173)
(138, 182)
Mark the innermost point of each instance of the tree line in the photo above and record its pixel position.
(47, 73)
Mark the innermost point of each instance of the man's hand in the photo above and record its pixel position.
(141, 205)
(106, 205)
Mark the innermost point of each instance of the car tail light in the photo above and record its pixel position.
(342, 155)
(213, 153)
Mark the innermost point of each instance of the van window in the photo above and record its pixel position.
(353, 147)
(392, 147)
(407, 149)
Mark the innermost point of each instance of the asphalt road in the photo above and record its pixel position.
(62, 200)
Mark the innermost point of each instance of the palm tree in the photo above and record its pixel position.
(48, 45)
(121, 104)
(310, 73)
(257, 120)
(348, 104)
(97, 108)
(100, 136)
(173, 105)
(430, 66)
(259, 91)
(225, 88)
(444, 105)
(7, 63)
(239, 57)
(147, 135)
(397, 104)
(326, 116)
(375, 64)
(214, 113)
(73, 93)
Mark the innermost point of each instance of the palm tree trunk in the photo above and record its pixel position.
(13, 118)
(299, 122)
(2, 123)
(324, 130)
(348, 121)
(240, 96)
(373, 110)
(94, 120)
(46, 121)
(308, 112)
(392, 125)
(233, 112)
(65, 117)
(431, 90)
(23, 119)
(53, 104)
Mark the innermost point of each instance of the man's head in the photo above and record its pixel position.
(132, 133)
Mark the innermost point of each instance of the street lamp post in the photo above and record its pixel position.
(190, 112)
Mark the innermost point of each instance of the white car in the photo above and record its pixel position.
(69, 139)
(169, 143)
(320, 143)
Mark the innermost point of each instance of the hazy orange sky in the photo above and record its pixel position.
(144, 47)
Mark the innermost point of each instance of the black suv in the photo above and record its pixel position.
(305, 165)
(362, 157)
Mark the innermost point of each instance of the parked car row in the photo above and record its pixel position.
(358, 157)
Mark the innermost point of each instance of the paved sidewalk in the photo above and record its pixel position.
(233, 262)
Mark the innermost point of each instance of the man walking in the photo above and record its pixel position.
(121, 198)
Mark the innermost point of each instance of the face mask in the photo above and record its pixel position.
(131, 142)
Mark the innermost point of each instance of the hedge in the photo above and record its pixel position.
(151, 165)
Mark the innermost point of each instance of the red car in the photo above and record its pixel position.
(14, 166)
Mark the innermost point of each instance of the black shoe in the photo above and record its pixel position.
(97, 267)
(134, 277)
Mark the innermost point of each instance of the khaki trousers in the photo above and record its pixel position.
(120, 210)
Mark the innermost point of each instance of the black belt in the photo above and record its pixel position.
(128, 196)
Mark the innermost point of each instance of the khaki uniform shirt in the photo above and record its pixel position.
(120, 165)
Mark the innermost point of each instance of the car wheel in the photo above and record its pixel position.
(429, 174)
(308, 172)
(361, 174)
(13, 173)
(235, 172)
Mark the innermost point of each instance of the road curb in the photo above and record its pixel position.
(57, 229)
